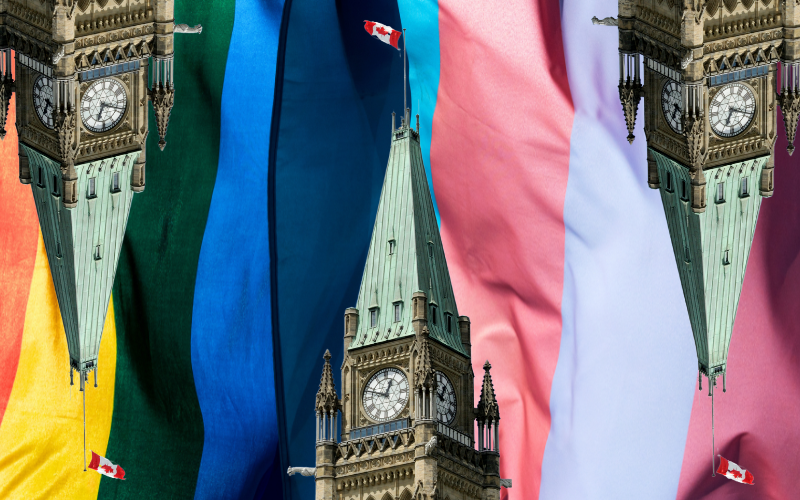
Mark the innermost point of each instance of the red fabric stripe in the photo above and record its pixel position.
(500, 161)
(369, 26)
(95, 463)
(723, 466)
(756, 419)
(120, 473)
(19, 235)
(394, 37)
(748, 477)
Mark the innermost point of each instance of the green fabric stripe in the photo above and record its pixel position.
(157, 427)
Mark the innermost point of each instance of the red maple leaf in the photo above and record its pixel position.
(107, 468)
(381, 30)
(735, 473)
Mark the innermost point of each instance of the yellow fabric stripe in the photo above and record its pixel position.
(41, 436)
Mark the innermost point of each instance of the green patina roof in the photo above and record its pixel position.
(711, 286)
(82, 281)
(417, 263)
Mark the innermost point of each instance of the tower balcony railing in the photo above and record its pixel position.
(454, 434)
(378, 429)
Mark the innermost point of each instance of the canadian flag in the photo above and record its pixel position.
(105, 467)
(733, 471)
(383, 33)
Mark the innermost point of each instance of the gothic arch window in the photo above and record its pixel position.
(406, 495)
(387, 496)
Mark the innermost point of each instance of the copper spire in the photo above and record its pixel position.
(327, 400)
(488, 411)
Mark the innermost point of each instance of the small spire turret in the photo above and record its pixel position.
(327, 400)
(327, 404)
(425, 379)
(488, 410)
(162, 95)
(488, 414)
(789, 102)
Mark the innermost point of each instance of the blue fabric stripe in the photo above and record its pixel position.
(339, 89)
(231, 332)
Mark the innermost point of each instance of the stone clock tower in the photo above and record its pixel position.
(83, 74)
(408, 415)
(713, 74)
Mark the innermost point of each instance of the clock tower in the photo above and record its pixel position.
(410, 428)
(713, 74)
(84, 73)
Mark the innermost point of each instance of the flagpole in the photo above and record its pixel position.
(713, 447)
(405, 114)
(83, 389)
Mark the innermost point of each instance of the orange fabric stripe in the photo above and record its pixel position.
(19, 229)
(41, 437)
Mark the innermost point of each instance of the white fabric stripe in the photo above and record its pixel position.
(624, 383)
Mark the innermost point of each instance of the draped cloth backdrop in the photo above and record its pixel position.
(249, 242)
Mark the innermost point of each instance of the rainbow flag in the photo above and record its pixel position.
(249, 243)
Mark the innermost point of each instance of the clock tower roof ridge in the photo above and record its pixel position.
(405, 256)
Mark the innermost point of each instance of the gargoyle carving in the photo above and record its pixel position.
(430, 445)
(185, 28)
(58, 55)
(303, 471)
(689, 57)
(606, 21)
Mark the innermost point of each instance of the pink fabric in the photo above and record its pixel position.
(756, 419)
(500, 160)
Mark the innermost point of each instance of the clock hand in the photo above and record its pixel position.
(102, 105)
(386, 394)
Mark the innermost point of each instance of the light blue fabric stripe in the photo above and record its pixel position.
(421, 21)
(623, 387)
(231, 329)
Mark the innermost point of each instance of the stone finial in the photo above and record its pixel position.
(424, 375)
(789, 102)
(327, 400)
(629, 94)
(488, 410)
(163, 98)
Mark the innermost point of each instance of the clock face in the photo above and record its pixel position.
(732, 109)
(445, 399)
(672, 104)
(43, 100)
(386, 394)
(103, 105)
